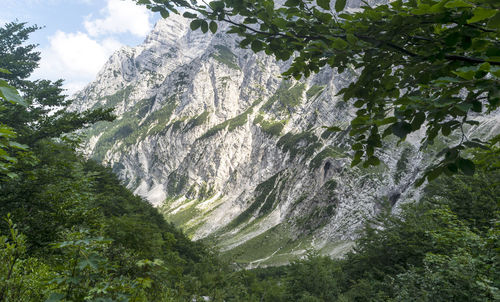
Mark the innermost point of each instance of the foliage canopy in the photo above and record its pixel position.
(432, 64)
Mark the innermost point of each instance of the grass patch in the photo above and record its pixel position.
(299, 200)
(260, 246)
(176, 125)
(273, 128)
(277, 240)
(197, 121)
(183, 216)
(317, 218)
(286, 97)
(266, 194)
(303, 143)
(230, 124)
(176, 183)
(225, 56)
(118, 97)
(160, 117)
(128, 129)
(314, 90)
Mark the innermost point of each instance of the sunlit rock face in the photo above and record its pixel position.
(227, 149)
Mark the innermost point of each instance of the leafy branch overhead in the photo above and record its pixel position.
(31, 111)
(429, 64)
(8, 94)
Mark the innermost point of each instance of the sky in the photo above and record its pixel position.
(78, 36)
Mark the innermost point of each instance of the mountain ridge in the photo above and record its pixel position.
(231, 152)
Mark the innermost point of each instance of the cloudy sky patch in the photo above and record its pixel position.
(79, 35)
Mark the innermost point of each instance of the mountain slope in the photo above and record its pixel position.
(231, 152)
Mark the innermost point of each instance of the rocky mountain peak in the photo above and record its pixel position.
(229, 150)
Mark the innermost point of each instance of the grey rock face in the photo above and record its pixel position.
(227, 149)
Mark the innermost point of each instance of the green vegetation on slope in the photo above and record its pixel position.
(230, 124)
(273, 128)
(314, 90)
(225, 56)
(285, 98)
(118, 97)
(304, 143)
(266, 194)
(131, 127)
(197, 121)
(328, 152)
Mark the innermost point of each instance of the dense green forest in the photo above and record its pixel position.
(69, 231)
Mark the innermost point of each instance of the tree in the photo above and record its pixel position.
(16, 56)
(432, 64)
(45, 113)
(8, 94)
(76, 233)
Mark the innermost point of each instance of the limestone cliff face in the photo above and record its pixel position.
(227, 149)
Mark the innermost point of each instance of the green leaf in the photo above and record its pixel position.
(452, 167)
(352, 39)
(386, 121)
(434, 173)
(217, 5)
(446, 129)
(324, 4)
(340, 5)
(468, 75)
(213, 27)
(10, 94)
(164, 13)
(90, 262)
(334, 129)
(401, 129)
(467, 166)
(189, 15)
(457, 4)
(257, 46)
(419, 181)
(55, 297)
(18, 146)
(339, 43)
(195, 24)
(471, 144)
(481, 13)
(417, 121)
(485, 66)
(357, 158)
(5, 71)
(292, 3)
(464, 107)
(373, 161)
(495, 21)
(204, 26)
(446, 80)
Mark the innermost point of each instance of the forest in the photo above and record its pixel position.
(70, 231)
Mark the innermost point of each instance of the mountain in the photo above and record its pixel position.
(234, 154)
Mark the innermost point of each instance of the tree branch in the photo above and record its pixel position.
(469, 59)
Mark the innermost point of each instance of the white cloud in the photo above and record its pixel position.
(120, 17)
(75, 57)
